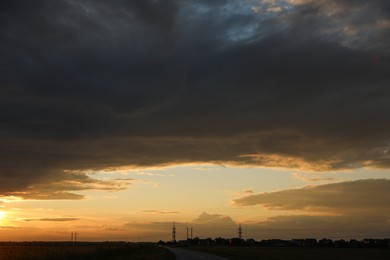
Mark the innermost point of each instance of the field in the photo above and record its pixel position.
(296, 253)
(80, 250)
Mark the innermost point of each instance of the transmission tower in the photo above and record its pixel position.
(73, 237)
(173, 233)
(239, 231)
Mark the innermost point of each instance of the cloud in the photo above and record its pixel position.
(319, 226)
(314, 177)
(51, 219)
(282, 226)
(205, 225)
(8, 228)
(94, 85)
(62, 187)
(248, 191)
(160, 212)
(345, 21)
(152, 174)
(213, 219)
(362, 197)
(204, 220)
(244, 192)
(352, 209)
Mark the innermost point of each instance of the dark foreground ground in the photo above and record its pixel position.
(296, 253)
(65, 250)
(149, 251)
(184, 254)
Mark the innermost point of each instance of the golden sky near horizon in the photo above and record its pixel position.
(212, 198)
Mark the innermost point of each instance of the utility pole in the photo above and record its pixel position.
(187, 232)
(173, 233)
(191, 232)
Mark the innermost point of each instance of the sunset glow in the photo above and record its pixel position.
(2, 216)
(119, 119)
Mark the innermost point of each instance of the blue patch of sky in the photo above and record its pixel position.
(237, 21)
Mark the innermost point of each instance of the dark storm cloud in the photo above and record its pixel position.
(96, 84)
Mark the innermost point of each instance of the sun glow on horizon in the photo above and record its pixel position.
(3, 214)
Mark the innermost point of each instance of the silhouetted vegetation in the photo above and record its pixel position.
(304, 242)
(272, 249)
(82, 250)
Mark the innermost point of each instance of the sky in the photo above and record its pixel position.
(121, 117)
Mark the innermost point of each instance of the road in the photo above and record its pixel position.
(183, 254)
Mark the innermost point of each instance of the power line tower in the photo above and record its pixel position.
(239, 231)
(73, 237)
(174, 233)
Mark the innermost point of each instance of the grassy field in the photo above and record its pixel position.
(296, 253)
(107, 250)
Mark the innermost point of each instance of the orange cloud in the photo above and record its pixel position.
(51, 219)
(343, 198)
(160, 212)
(62, 187)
